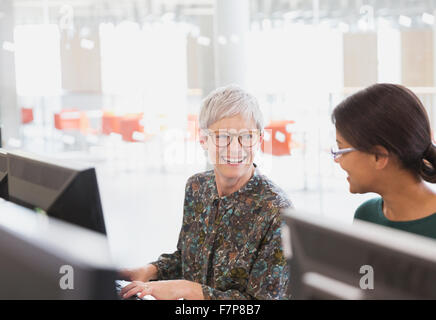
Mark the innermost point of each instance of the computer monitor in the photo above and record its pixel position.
(45, 258)
(67, 191)
(4, 194)
(331, 260)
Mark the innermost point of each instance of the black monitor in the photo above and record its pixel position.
(64, 190)
(4, 194)
(331, 260)
(45, 258)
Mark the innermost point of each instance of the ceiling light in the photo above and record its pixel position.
(405, 21)
(203, 41)
(428, 18)
(8, 46)
(222, 40)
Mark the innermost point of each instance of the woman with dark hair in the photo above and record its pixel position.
(385, 146)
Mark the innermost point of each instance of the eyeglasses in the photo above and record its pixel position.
(337, 153)
(224, 138)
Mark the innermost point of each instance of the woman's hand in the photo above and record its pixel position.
(143, 274)
(164, 290)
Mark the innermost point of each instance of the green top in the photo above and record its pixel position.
(372, 211)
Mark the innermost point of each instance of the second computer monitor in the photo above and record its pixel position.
(331, 260)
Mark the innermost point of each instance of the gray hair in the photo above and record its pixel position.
(229, 101)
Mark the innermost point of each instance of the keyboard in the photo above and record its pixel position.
(120, 284)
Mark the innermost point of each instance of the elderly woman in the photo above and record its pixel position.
(230, 244)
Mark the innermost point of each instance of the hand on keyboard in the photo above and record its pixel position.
(120, 284)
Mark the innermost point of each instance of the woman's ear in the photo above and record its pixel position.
(381, 156)
(261, 138)
(203, 140)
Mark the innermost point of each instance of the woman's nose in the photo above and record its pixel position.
(234, 148)
(234, 144)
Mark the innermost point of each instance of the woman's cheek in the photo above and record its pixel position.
(213, 156)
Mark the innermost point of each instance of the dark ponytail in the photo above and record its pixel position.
(393, 117)
(428, 164)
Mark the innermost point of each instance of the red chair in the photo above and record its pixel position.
(26, 115)
(110, 123)
(68, 119)
(277, 140)
(72, 119)
(129, 124)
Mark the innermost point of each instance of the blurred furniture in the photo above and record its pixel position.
(278, 138)
(26, 115)
(73, 120)
(68, 119)
(129, 125)
(110, 123)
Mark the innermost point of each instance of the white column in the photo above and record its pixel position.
(231, 28)
(9, 116)
(207, 58)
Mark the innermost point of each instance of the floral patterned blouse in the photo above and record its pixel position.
(231, 245)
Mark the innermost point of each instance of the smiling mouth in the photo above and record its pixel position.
(234, 161)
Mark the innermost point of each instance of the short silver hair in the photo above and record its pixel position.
(229, 101)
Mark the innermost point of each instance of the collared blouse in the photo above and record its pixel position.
(231, 245)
